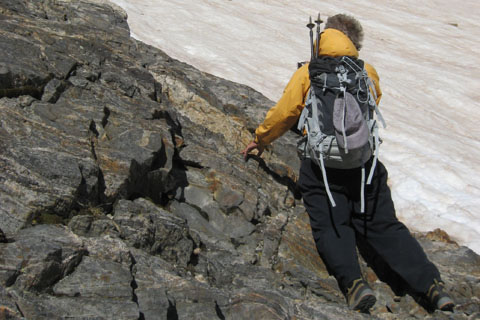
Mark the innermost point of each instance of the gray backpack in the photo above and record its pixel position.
(339, 118)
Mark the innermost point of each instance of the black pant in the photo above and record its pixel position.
(338, 230)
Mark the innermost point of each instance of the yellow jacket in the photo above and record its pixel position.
(285, 113)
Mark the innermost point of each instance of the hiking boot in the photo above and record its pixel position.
(360, 296)
(438, 297)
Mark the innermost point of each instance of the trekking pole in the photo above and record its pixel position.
(310, 26)
(318, 22)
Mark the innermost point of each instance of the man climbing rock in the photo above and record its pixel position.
(346, 209)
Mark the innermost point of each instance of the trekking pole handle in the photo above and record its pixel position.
(318, 22)
(310, 26)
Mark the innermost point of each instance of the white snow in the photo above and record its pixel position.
(426, 53)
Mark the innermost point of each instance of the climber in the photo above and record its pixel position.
(345, 211)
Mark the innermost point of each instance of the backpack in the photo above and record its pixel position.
(339, 118)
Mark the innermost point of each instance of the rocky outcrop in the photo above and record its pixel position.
(123, 194)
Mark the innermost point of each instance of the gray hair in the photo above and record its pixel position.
(348, 25)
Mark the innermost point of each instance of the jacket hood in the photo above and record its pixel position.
(335, 43)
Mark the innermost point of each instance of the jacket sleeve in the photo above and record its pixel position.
(281, 117)
(373, 75)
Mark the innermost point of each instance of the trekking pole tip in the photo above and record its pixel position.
(319, 21)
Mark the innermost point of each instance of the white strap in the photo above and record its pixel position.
(373, 102)
(375, 157)
(325, 181)
(344, 112)
(303, 116)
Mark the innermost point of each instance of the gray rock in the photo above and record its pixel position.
(95, 278)
(108, 248)
(63, 275)
(199, 223)
(49, 307)
(234, 226)
(53, 90)
(228, 199)
(3, 238)
(39, 258)
(144, 225)
(151, 276)
(8, 309)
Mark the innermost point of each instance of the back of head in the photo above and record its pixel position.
(348, 25)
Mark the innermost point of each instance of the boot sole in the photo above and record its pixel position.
(445, 303)
(365, 303)
(447, 306)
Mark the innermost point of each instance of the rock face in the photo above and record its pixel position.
(123, 194)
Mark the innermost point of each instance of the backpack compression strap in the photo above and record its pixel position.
(373, 102)
(315, 137)
(344, 111)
